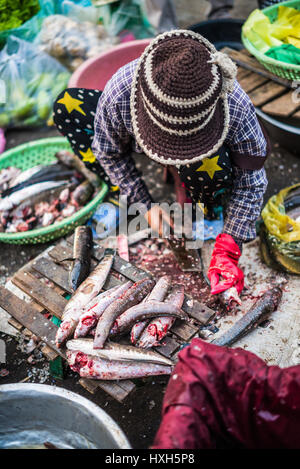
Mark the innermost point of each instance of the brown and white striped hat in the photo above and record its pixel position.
(178, 105)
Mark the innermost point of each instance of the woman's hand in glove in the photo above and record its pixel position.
(223, 271)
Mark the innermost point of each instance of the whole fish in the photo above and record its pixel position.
(83, 295)
(149, 309)
(46, 173)
(229, 297)
(157, 294)
(259, 312)
(113, 351)
(18, 197)
(72, 161)
(82, 194)
(158, 328)
(82, 251)
(91, 314)
(89, 366)
(134, 295)
(7, 175)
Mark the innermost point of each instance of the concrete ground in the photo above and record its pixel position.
(283, 169)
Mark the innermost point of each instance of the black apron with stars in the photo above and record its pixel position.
(73, 113)
(209, 181)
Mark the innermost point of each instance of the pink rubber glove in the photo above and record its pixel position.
(223, 271)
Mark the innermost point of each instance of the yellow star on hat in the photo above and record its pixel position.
(71, 104)
(210, 166)
(88, 156)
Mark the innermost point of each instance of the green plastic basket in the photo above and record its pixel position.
(281, 69)
(42, 152)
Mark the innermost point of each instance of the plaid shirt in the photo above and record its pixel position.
(114, 141)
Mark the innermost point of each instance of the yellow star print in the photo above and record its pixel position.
(71, 104)
(88, 156)
(210, 166)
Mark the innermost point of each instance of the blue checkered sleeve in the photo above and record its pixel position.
(245, 203)
(113, 139)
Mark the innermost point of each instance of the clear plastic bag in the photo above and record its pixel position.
(32, 81)
(71, 41)
(126, 15)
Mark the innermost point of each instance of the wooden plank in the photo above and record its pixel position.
(54, 272)
(252, 81)
(30, 318)
(199, 311)
(266, 92)
(168, 346)
(250, 63)
(284, 106)
(242, 72)
(112, 388)
(184, 331)
(41, 293)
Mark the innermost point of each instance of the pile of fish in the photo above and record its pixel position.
(43, 194)
(145, 309)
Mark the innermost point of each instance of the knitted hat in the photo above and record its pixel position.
(178, 103)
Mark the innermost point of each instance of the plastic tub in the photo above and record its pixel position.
(95, 73)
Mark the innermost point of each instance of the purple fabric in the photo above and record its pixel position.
(114, 141)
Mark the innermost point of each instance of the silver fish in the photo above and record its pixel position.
(134, 295)
(83, 295)
(158, 328)
(18, 197)
(113, 351)
(158, 293)
(149, 309)
(90, 316)
(89, 366)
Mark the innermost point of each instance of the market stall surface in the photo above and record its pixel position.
(277, 343)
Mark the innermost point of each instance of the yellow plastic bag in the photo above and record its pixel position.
(277, 222)
(257, 29)
(263, 34)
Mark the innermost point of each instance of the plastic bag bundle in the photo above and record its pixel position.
(71, 41)
(271, 37)
(280, 233)
(32, 82)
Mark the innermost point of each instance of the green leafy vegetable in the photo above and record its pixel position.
(14, 13)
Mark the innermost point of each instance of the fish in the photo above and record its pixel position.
(95, 309)
(263, 307)
(149, 309)
(229, 297)
(82, 194)
(82, 296)
(46, 173)
(158, 328)
(72, 161)
(112, 351)
(7, 175)
(12, 201)
(82, 250)
(89, 366)
(134, 295)
(158, 294)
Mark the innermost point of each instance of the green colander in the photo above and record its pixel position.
(42, 152)
(281, 69)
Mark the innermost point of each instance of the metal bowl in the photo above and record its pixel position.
(32, 414)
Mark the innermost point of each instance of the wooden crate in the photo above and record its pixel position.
(44, 280)
(268, 92)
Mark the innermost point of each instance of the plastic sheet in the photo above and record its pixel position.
(220, 397)
(280, 233)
